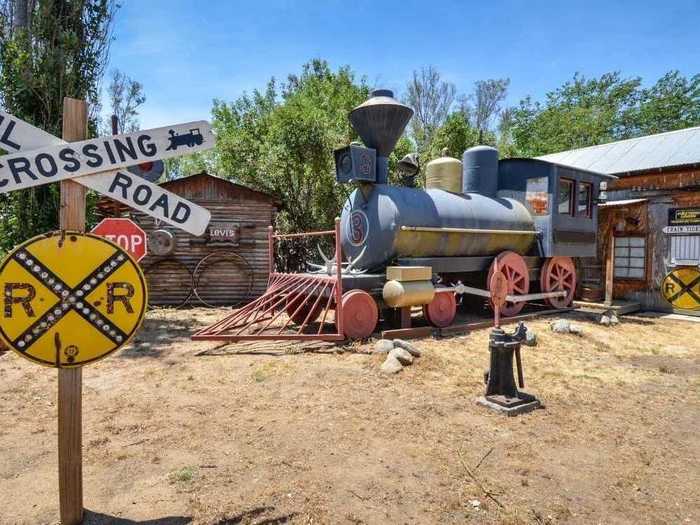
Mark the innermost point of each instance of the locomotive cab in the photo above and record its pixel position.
(562, 201)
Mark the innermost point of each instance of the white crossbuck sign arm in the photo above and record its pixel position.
(40, 158)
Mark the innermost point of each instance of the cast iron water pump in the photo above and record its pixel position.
(502, 394)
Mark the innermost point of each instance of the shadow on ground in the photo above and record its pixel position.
(96, 518)
(156, 335)
(258, 512)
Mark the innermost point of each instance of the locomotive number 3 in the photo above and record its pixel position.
(359, 224)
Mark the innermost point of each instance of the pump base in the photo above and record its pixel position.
(511, 406)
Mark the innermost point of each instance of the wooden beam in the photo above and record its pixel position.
(70, 454)
(609, 269)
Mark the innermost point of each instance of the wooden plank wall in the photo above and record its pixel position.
(224, 281)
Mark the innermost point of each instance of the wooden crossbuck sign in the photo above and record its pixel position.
(40, 158)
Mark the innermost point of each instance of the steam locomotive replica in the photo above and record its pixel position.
(403, 247)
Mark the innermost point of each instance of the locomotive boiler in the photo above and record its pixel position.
(400, 247)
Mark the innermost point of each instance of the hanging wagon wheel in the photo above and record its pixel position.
(513, 266)
(170, 283)
(360, 314)
(223, 278)
(307, 303)
(559, 274)
(441, 311)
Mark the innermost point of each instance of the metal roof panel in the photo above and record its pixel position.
(663, 150)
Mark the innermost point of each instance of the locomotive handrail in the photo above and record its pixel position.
(464, 230)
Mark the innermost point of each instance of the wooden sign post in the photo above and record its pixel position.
(70, 380)
(63, 335)
(609, 270)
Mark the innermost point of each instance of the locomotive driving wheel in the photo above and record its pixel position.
(559, 274)
(514, 267)
(299, 314)
(360, 314)
(441, 311)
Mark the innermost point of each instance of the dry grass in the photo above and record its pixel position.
(187, 432)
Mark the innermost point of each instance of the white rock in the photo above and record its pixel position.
(560, 326)
(391, 365)
(605, 320)
(412, 349)
(530, 338)
(475, 503)
(383, 346)
(402, 355)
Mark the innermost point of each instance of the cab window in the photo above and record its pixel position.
(585, 199)
(566, 197)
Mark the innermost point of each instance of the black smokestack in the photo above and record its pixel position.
(380, 121)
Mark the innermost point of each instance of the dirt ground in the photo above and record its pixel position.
(273, 434)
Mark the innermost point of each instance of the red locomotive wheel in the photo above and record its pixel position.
(559, 274)
(513, 266)
(300, 316)
(441, 311)
(360, 314)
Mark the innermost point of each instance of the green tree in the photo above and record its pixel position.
(281, 141)
(49, 49)
(583, 112)
(456, 134)
(178, 167)
(673, 102)
(125, 97)
(431, 98)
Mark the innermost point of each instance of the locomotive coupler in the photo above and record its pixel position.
(502, 394)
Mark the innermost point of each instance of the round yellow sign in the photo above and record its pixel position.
(70, 298)
(681, 288)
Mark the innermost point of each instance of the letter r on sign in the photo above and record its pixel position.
(119, 293)
(25, 300)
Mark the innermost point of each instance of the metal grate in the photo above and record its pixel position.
(294, 306)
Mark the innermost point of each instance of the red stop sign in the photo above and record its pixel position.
(125, 233)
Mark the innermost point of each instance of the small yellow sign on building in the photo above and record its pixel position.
(70, 298)
(681, 288)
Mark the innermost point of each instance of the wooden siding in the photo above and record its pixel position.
(224, 280)
(667, 180)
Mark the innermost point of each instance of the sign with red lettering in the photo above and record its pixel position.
(125, 233)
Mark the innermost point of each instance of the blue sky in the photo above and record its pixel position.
(186, 53)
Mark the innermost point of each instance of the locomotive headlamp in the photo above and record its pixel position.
(355, 163)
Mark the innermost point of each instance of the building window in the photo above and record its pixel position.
(584, 203)
(566, 197)
(630, 257)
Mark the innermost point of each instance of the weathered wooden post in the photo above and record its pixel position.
(70, 380)
(65, 335)
(609, 269)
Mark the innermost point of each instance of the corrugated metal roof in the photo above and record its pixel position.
(663, 150)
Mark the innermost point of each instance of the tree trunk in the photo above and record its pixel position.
(20, 14)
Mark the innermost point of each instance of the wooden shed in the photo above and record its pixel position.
(227, 265)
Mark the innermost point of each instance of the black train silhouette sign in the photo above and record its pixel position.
(191, 139)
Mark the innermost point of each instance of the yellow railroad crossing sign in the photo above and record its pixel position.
(681, 288)
(69, 298)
